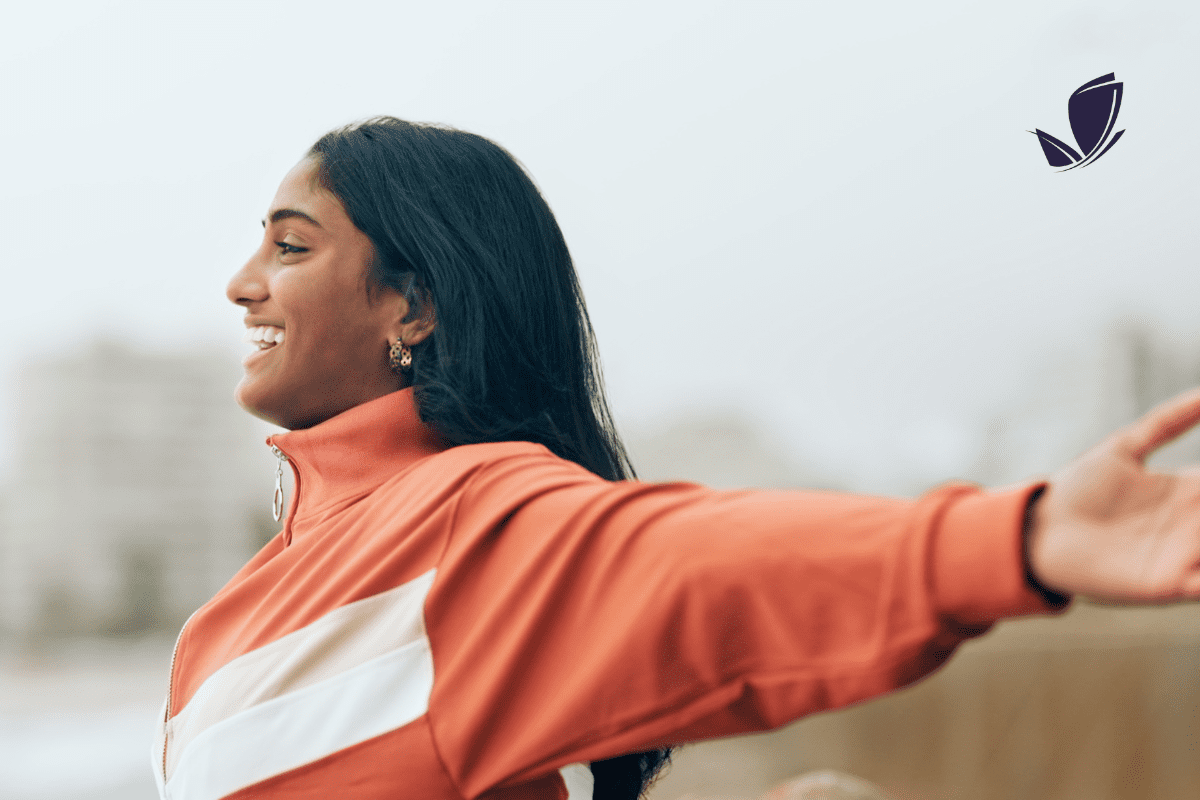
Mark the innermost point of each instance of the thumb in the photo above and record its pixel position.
(1161, 424)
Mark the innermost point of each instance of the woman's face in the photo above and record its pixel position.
(306, 290)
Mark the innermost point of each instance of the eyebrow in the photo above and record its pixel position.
(290, 213)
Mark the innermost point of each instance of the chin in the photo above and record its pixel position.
(257, 406)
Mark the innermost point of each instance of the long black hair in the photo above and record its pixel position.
(458, 225)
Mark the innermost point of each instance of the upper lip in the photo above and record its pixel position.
(255, 322)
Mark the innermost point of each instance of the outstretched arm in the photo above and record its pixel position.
(1110, 529)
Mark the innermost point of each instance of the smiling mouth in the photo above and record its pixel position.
(265, 336)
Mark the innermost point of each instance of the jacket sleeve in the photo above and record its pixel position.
(575, 619)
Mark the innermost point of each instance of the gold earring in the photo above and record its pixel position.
(400, 356)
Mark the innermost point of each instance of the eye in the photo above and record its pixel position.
(290, 249)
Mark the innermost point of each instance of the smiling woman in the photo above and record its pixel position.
(470, 596)
(322, 328)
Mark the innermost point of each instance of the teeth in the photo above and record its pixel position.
(264, 335)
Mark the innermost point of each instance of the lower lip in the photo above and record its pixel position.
(255, 356)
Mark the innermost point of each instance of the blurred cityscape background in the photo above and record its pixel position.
(820, 248)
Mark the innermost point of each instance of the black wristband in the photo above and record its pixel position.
(1051, 597)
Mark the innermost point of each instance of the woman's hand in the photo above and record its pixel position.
(1109, 529)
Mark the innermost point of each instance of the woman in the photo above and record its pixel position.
(466, 600)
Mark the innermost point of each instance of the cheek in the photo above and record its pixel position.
(334, 330)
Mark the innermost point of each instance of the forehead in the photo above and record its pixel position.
(300, 191)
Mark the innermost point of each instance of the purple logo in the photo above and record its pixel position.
(1092, 110)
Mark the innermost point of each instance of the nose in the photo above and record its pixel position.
(248, 285)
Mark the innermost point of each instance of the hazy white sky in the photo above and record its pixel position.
(830, 216)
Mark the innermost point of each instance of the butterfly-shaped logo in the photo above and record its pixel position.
(1092, 110)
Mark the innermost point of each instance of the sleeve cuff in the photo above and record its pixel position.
(979, 566)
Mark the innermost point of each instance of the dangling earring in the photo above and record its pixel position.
(400, 356)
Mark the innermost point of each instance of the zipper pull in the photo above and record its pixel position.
(277, 500)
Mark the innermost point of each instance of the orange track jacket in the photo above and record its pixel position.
(483, 620)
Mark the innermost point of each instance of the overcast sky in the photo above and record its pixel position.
(829, 216)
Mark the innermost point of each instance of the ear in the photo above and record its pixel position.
(416, 320)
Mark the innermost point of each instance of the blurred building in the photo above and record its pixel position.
(723, 451)
(1075, 398)
(138, 489)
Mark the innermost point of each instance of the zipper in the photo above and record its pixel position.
(277, 513)
(171, 696)
(277, 499)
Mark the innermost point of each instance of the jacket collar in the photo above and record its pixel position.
(354, 452)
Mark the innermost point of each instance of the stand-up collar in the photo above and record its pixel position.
(356, 451)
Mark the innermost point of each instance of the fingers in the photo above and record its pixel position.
(1161, 424)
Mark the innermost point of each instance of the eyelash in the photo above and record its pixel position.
(290, 249)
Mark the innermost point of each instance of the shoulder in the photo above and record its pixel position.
(487, 452)
(493, 463)
(496, 476)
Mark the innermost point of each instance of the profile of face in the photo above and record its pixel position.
(320, 329)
